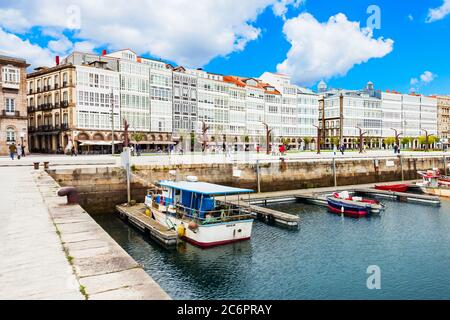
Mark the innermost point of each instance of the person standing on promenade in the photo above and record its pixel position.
(334, 149)
(23, 151)
(19, 151)
(12, 150)
(395, 148)
(72, 151)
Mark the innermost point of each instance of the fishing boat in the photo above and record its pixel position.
(393, 187)
(344, 203)
(434, 183)
(190, 207)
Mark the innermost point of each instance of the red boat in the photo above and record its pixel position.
(393, 187)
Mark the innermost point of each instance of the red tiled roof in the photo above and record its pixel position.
(240, 82)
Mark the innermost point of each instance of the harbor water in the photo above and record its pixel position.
(327, 258)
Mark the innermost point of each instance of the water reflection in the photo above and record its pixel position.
(326, 259)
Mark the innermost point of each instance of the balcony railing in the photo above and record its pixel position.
(30, 109)
(64, 104)
(65, 126)
(10, 113)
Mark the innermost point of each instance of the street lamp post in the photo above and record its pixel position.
(205, 128)
(318, 138)
(361, 137)
(397, 136)
(112, 121)
(427, 137)
(267, 137)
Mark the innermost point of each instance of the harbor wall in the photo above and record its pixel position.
(102, 188)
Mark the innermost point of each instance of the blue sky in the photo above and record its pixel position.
(247, 38)
(418, 46)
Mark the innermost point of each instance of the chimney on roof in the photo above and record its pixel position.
(57, 60)
(103, 52)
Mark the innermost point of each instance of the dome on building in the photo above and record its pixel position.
(322, 86)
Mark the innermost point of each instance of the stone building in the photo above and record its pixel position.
(51, 107)
(78, 101)
(443, 118)
(13, 108)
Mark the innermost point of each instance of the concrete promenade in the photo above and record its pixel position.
(53, 251)
(33, 264)
(199, 158)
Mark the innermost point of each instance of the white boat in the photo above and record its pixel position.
(190, 208)
(434, 183)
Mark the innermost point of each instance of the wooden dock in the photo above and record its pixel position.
(136, 216)
(270, 216)
(400, 196)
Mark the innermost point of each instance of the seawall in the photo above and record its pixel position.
(102, 188)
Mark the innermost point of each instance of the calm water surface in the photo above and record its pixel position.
(326, 258)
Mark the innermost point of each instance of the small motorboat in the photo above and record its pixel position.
(434, 183)
(393, 187)
(344, 203)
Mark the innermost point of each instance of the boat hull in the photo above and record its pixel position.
(351, 208)
(395, 187)
(208, 235)
(441, 192)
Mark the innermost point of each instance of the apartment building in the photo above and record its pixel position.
(13, 108)
(185, 102)
(348, 113)
(79, 101)
(443, 103)
(51, 107)
(379, 114)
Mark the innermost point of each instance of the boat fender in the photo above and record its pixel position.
(193, 226)
(181, 230)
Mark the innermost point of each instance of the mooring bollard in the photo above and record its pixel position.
(71, 193)
(36, 165)
(46, 164)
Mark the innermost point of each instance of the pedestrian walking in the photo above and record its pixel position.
(343, 149)
(19, 151)
(12, 150)
(334, 149)
(23, 151)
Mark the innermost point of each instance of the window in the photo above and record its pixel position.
(10, 134)
(10, 105)
(10, 75)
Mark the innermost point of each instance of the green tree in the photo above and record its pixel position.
(138, 137)
(334, 141)
(389, 141)
(405, 141)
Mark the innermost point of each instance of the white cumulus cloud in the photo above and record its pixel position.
(439, 13)
(424, 79)
(12, 45)
(323, 50)
(185, 31)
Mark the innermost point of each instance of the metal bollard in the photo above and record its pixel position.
(36, 165)
(71, 193)
(46, 164)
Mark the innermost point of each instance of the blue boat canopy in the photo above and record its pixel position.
(203, 188)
